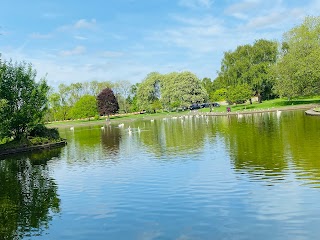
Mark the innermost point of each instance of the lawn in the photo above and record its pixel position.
(270, 104)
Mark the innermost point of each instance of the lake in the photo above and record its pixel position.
(225, 177)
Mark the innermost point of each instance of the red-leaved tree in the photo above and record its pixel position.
(107, 102)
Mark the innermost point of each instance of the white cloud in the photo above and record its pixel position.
(275, 19)
(241, 9)
(78, 50)
(112, 54)
(40, 36)
(85, 24)
(80, 37)
(196, 3)
(80, 24)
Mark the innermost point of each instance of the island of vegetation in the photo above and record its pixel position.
(23, 105)
(263, 76)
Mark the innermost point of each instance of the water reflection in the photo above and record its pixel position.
(266, 145)
(89, 144)
(28, 196)
(110, 140)
(177, 135)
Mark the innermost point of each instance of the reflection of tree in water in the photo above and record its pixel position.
(174, 135)
(110, 140)
(257, 146)
(28, 195)
(302, 135)
(262, 145)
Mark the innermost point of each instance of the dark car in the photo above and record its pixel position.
(215, 104)
(195, 106)
(205, 105)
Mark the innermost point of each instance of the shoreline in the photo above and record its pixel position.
(24, 149)
(68, 124)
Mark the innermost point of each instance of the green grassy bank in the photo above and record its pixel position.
(281, 104)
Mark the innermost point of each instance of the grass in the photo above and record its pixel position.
(270, 104)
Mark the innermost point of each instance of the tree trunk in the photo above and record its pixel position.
(259, 98)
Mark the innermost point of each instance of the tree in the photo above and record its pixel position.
(297, 72)
(219, 95)
(26, 99)
(250, 64)
(149, 91)
(239, 93)
(107, 102)
(182, 89)
(122, 92)
(85, 107)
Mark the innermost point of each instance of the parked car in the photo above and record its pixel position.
(195, 106)
(205, 105)
(215, 104)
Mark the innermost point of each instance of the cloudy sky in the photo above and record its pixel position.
(77, 41)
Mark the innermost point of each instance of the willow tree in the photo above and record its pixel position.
(298, 69)
(170, 91)
(149, 92)
(182, 89)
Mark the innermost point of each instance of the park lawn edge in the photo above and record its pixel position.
(266, 106)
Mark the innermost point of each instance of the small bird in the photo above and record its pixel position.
(71, 128)
(102, 128)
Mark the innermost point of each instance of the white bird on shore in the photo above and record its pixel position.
(71, 128)
(102, 128)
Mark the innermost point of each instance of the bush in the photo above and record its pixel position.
(44, 132)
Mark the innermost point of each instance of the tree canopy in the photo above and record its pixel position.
(172, 90)
(24, 101)
(107, 102)
(297, 72)
(85, 107)
(250, 64)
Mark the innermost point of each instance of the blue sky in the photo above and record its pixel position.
(78, 41)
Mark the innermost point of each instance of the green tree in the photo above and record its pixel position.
(297, 72)
(208, 85)
(26, 99)
(219, 95)
(85, 107)
(239, 93)
(149, 91)
(182, 89)
(250, 64)
(122, 91)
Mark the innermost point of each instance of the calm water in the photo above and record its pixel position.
(253, 177)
